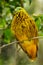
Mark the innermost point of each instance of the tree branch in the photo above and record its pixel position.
(21, 1)
(39, 37)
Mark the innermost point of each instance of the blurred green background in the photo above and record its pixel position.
(8, 54)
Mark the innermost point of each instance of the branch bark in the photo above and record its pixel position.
(21, 1)
(39, 37)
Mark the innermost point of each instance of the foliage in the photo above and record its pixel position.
(39, 22)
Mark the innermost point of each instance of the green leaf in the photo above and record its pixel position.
(8, 37)
(40, 33)
(38, 23)
(2, 23)
(30, 1)
(41, 17)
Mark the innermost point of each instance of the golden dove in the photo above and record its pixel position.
(24, 28)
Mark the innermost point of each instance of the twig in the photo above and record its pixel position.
(9, 44)
(21, 1)
(39, 37)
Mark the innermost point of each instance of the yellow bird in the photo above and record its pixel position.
(24, 28)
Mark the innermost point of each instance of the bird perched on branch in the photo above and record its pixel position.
(24, 28)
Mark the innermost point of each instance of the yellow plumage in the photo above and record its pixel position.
(24, 28)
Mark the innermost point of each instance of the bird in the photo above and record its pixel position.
(24, 29)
